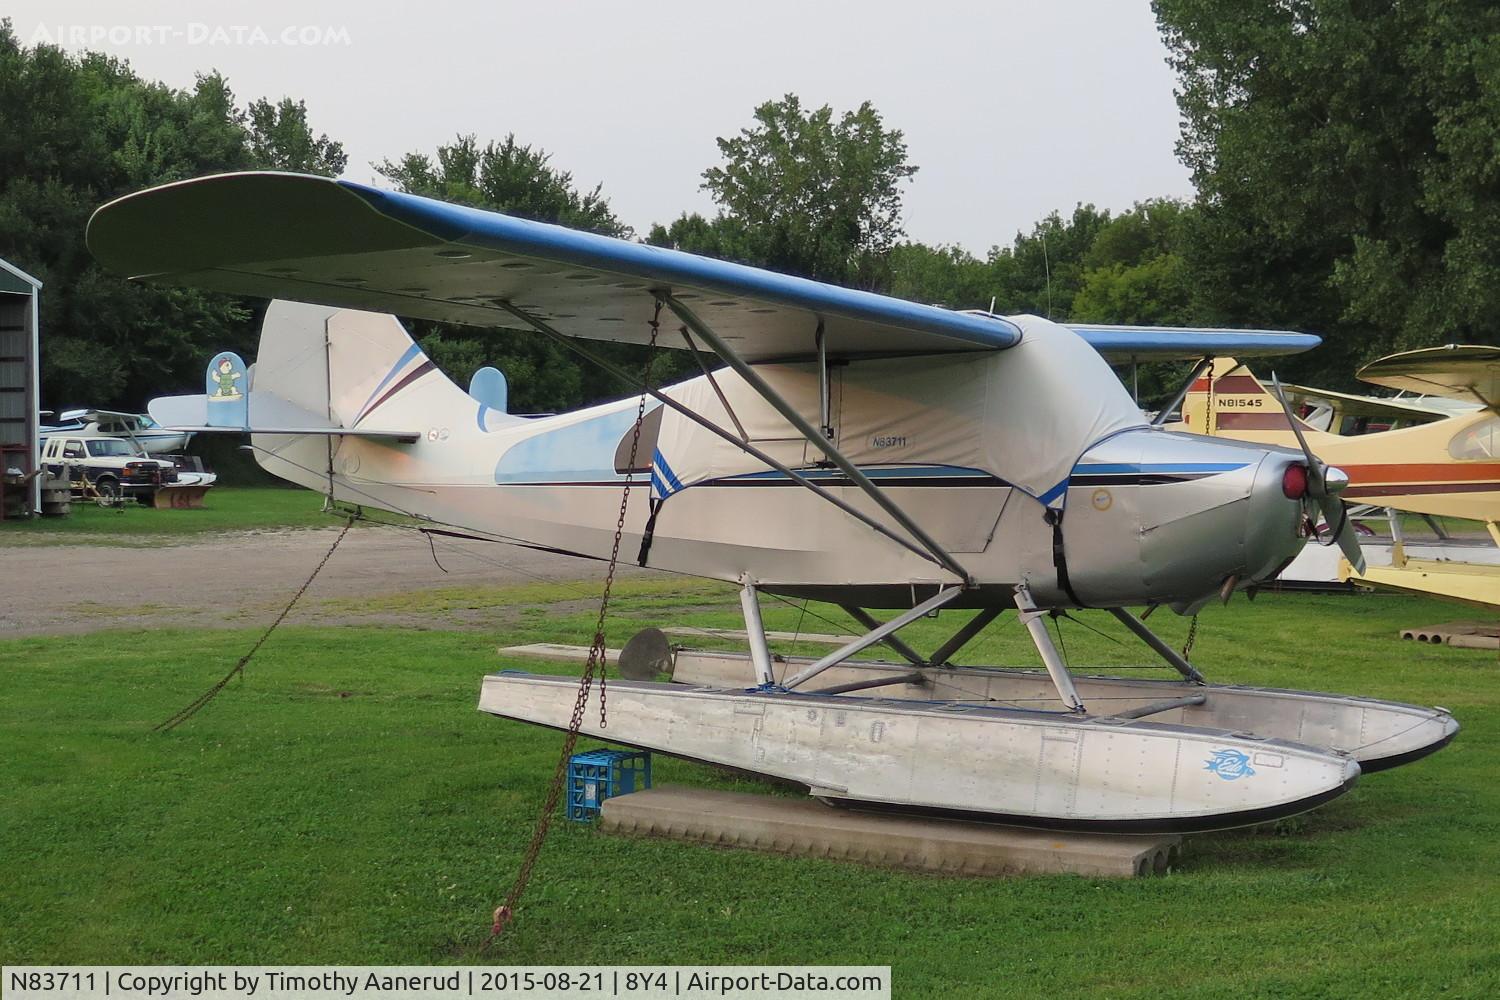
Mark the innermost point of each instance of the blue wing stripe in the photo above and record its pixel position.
(1121, 343)
(474, 227)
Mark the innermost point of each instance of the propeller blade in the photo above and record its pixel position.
(1315, 482)
(1338, 523)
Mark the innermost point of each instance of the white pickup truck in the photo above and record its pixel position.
(109, 466)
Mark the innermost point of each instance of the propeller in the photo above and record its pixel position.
(1324, 484)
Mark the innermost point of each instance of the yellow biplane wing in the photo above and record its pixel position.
(1470, 372)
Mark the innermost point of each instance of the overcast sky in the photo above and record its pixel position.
(1011, 108)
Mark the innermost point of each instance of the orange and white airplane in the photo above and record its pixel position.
(1446, 466)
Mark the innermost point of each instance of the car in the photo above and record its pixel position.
(105, 466)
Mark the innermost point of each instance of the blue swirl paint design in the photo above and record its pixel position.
(1231, 765)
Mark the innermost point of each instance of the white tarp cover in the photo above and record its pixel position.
(1025, 414)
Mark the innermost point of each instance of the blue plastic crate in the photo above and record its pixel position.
(596, 775)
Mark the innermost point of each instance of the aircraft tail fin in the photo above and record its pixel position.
(1229, 400)
(322, 375)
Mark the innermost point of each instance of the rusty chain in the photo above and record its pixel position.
(595, 663)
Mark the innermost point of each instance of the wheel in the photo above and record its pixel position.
(108, 490)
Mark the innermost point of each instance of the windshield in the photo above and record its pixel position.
(1477, 443)
(110, 447)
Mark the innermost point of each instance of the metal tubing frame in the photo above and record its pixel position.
(825, 406)
(962, 637)
(874, 635)
(1157, 707)
(770, 395)
(1166, 411)
(914, 677)
(868, 621)
(1031, 617)
(1153, 640)
(572, 344)
(723, 400)
(760, 652)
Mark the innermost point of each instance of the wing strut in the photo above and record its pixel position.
(1166, 411)
(811, 433)
(572, 344)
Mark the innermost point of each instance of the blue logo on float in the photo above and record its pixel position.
(1229, 765)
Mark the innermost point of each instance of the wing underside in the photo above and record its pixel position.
(1353, 405)
(1467, 372)
(336, 243)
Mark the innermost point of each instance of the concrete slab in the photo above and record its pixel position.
(1464, 635)
(739, 633)
(807, 828)
(556, 651)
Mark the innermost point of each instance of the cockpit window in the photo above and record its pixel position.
(645, 447)
(1478, 442)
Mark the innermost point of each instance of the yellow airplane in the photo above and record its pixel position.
(1447, 466)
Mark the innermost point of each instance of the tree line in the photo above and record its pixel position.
(1343, 154)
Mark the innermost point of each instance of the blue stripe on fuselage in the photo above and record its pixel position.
(1154, 468)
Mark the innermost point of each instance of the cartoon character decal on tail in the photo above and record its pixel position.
(227, 386)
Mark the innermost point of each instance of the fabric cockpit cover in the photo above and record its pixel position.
(1024, 415)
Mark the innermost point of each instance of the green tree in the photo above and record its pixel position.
(804, 193)
(281, 139)
(944, 275)
(1344, 154)
(1042, 271)
(504, 177)
(79, 131)
(1134, 271)
(519, 180)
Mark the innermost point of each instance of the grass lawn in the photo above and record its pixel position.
(226, 508)
(345, 803)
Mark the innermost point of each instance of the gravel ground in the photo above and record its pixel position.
(243, 579)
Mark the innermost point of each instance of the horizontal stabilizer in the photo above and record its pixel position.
(1123, 344)
(267, 414)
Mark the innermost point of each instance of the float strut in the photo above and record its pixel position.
(760, 652)
(1061, 679)
(915, 677)
(962, 637)
(868, 621)
(1153, 640)
(870, 638)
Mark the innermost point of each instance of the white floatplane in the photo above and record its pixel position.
(149, 436)
(854, 448)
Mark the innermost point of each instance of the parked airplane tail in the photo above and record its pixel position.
(1230, 401)
(324, 374)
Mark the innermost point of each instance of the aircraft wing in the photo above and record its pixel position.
(1470, 372)
(1353, 405)
(1125, 344)
(338, 243)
